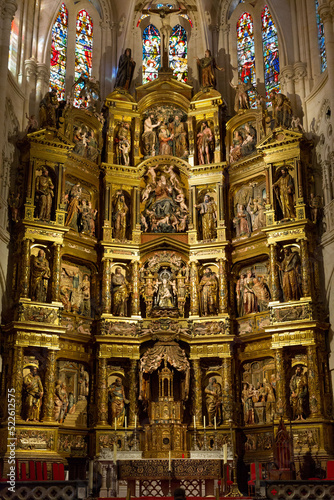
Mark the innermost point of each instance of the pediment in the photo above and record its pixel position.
(120, 95)
(278, 137)
(164, 242)
(51, 137)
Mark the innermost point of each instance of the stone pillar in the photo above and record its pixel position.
(223, 287)
(106, 286)
(227, 390)
(314, 383)
(197, 402)
(274, 280)
(25, 269)
(102, 393)
(17, 379)
(194, 302)
(56, 272)
(42, 84)
(133, 392)
(286, 78)
(305, 265)
(281, 402)
(135, 296)
(49, 388)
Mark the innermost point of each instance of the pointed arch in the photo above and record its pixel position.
(58, 52)
(321, 39)
(270, 52)
(246, 53)
(151, 53)
(178, 53)
(83, 51)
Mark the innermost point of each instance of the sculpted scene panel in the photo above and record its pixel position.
(75, 288)
(244, 141)
(248, 204)
(252, 290)
(85, 142)
(258, 393)
(71, 394)
(81, 214)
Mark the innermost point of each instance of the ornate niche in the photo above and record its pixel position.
(284, 192)
(121, 214)
(289, 272)
(118, 404)
(123, 143)
(45, 196)
(121, 289)
(164, 199)
(299, 379)
(40, 273)
(258, 391)
(248, 207)
(205, 142)
(71, 394)
(243, 142)
(32, 388)
(165, 132)
(81, 205)
(252, 289)
(208, 290)
(212, 399)
(75, 294)
(207, 214)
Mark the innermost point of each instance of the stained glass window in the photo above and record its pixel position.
(83, 52)
(185, 16)
(321, 39)
(270, 52)
(178, 53)
(246, 53)
(13, 46)
(151, 53)
(58, 53)
(143, 16)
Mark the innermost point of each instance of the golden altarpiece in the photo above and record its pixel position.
(166, 290)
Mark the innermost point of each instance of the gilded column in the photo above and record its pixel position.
(194, 302)
(197, 401)
(102, 393)
(106, 287)
(305, 261)
(50, 384)
(135, 298)
(17, 379)
(25, 276)
(223, 287)
(314, 384)
(275, 288)
(133, 392)
(280, 384)
(56, 271)
(227, 390)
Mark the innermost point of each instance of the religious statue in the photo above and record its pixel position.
(73, 206)
(126, 66)
(205, 144)
(281, 109)
(241, 101)
(207, 66)
(208, 290)
(33, 393)
(249, 297)
(165, 291)
(258, 214)
(178, 131)
(47, 110)
(165, 141)
(92, 147)
(123, 142)
(83, 383)
(252, 294)
(242, 221)
(290, 274)
(270, 400)
(149, 136)
(248, 404)
(213, 399)
(57, 401)
(119, 216)
(121, 290)
(14, 203)
(284, 190)
(316, 206)
(208, 214)
(44, 195)
(40, 274)
(118, 402)
(298, 388)
(85, 296)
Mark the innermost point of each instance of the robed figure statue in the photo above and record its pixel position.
(126, 66)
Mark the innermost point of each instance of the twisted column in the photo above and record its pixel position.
(314, 383)
(135, 297)
(275, 288)
(223, 287)
(25, 275)
(194, 302)
(102, 393)
(106, 287)
(281, 401)
(50, 384)
(17, 378)
(133, 392)
(197, 391)
(227, 390)
(56, 272)
(306, 272)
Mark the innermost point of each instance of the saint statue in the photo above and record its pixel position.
(149, 136)
(284, 191)
(83, 383)
(40, 274)
(241, 97)
(204, 144)
(124, 143)
(290, 272)
(121, 290)
(248, 404)
(119, 216)
(208, 289)
(213, 400)
(126, 66)
(165, 291)
(118, 402)
(47, 110)
(207, 66)
(208, 214)
(298, 388)
(73, 206)
(33, 393)
(44, 195)
(179, 133)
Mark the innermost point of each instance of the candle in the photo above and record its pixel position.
(225, 453)
(215, 423)
(91, 475)
(126, 422)
(115, 423)
(204, 421)
(194, 422)
(135, 421)
(169, 460)
(115, 453)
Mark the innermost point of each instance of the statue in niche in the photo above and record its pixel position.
(75, 289)
(33, 392)
(252, 293)
(247, 403)
(270, 399)
(207, 66)
(40, 275)
(85, 305)
(316, 206)
(73, 206)
(165, 141)
(44, 195)
(205, 144)
(126, 67)
(165, 290)
(179, 133)
(284, 190)
(119, 216)
(258, 395)
(298, 393)
(123, 144)
(290, 275)
(57, 401)
(241, 100)
(60, 401)
(258, 214)
(281, 109)
(242, 221)
(83, 383)
(87, 217)
(92, 147)
(14, 203)
(208, 290)
(120, 291)
(47, 110)
(244, 142)
(208, 215)
(80, 141)
(118, 402)
(149, 136)
(213, 399)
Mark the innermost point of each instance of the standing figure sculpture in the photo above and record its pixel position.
(119, 216)
(44, 195)
(241, 97)
(73, 206)
(83, 383)
(47, 110)
(204, 144)
(208, 290)
(298, 388)
(126, 66)
(33, 390)
(290, 270)
(165, 291)
(40, 274)
(121, 290)
(149, 136)
(208, 213)
(179, 133)
(213, 399)
(118, 402)
(207, 66)
(284, 190)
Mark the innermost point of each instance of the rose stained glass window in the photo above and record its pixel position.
(270, 52)
(151, 53)
(178, 50)
(58, 53)
(83, 53)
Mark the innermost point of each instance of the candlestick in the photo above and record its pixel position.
(135, 421)
(215, 423)
(225, 453)
(204, 421)
(115, 453)
(115, 424)
(169, 461)
(194, 422)
(125, 422)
